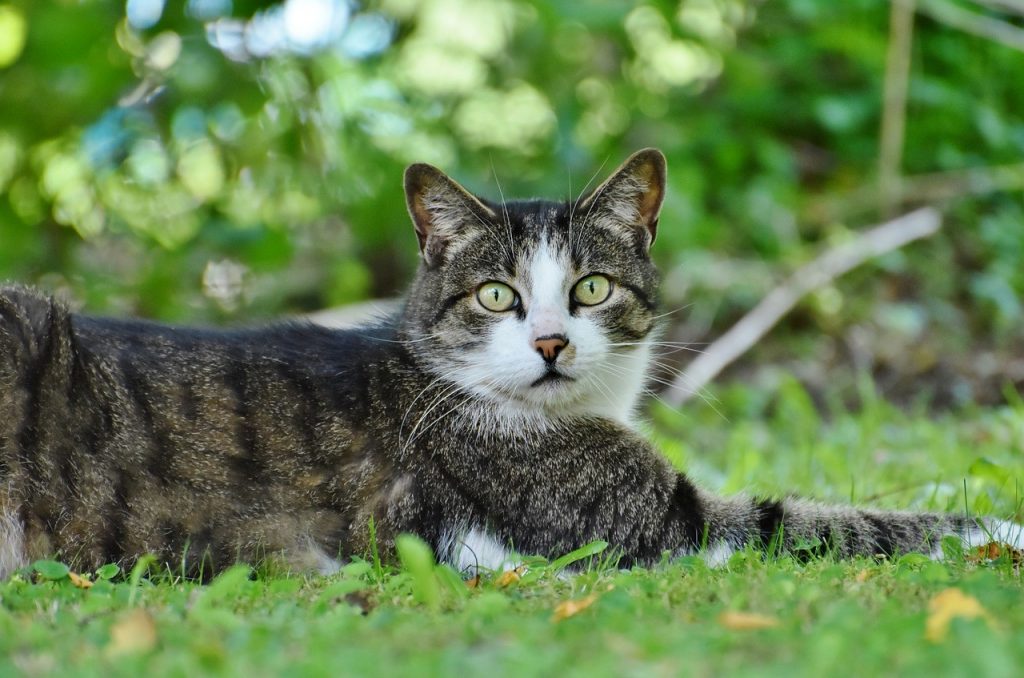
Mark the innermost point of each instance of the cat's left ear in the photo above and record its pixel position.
(441, 210)
(631, 197)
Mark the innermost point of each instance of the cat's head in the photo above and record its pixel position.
(545, 306)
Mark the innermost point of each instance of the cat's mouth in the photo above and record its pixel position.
(551, 376)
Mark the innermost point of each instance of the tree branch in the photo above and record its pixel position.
(828, 266)
(974, 23)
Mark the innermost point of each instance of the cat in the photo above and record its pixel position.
(494, 414)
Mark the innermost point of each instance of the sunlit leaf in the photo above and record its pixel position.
(13, 29)
(591, 549)
(948, 605)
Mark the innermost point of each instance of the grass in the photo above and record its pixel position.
(752, 617)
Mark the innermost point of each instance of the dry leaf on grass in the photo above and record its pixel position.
(994, 551)
(79, 581)
(949, 605)
(135, 631)
(570, 608)
(747, 621)
(509, 577)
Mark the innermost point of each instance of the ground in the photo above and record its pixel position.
(755, 616)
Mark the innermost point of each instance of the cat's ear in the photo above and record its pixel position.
(631, 197)
(441, 210)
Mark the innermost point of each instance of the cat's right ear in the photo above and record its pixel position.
(441, 210)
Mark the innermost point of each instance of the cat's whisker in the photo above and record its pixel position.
(572, 203)
(452, 390)
(675, 346)
(504, 210)
(701, 393)
(487, 227)
(673, 311)
(401, 341)
(586, 218)
(447, 378)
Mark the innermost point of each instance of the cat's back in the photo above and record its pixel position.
(126, 436)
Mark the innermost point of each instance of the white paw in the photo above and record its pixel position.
(717, 554)
(475, 549)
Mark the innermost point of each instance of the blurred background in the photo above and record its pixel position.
(228, 161)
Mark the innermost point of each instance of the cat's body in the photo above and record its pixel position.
(494, 412)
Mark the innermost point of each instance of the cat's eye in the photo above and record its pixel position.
(592, 290)
(497, 297)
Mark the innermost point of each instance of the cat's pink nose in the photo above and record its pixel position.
(550, 346)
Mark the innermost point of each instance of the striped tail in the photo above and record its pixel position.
(806, 528)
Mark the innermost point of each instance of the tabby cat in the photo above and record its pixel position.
(495, 412)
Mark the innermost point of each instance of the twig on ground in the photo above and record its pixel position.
(828, 266)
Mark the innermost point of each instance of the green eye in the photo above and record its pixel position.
(592, 290)
(497, 297)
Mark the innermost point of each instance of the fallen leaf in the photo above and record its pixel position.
(135, 631)
(509, 577)
(948, 605)
(79, 581)
(747, 621)
(994, 551)
(570, 608)
(473, 582)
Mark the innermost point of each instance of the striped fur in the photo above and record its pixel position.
(120, 438)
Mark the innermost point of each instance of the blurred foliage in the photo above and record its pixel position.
(218, 160)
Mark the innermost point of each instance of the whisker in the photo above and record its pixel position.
(673, 311)
(504, 209)
(595, 197)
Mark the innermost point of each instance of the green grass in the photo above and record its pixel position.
(829, 617)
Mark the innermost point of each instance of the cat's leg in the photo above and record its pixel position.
(12, 542)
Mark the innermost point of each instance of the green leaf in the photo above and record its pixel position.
(591, 549)
(356, 569)
(986, 468)
(231, 581)
(135, 579)
(108, 571)
(51, 569)
(418, 560)
(452, 581)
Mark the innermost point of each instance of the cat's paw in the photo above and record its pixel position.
(474, 550)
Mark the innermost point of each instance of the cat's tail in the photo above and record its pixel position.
(805, 529)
